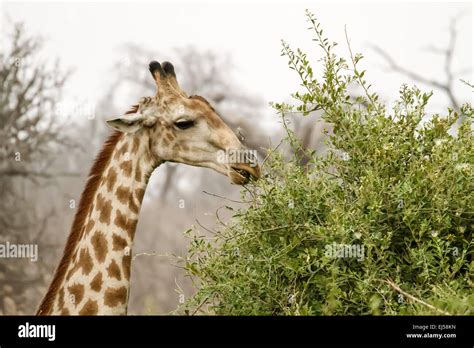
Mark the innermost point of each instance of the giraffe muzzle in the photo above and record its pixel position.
(241, 174)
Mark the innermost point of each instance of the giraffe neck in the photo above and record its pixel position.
(94, 274)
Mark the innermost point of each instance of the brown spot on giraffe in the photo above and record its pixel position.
(140, 193)
(89, 226)
(125, 223)
(113, 270)
(111, 179)
(138, 174)
(89, 308)
(99, 243)
(99, 202)
(77, 291)
(132, 205)
(122, 193)
(75, 267)
(96, 283)
(136, 145)
(118, 242)
(105, 207)
(85, 261)
(71, 272)
(121, 220)
(115, 296)
(105, 213)
(170, 136)
(65, 311)
(126, 167)
(123, 150)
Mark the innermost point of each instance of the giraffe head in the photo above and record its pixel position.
(187, 130)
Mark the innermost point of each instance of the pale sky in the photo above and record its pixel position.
(87, 37)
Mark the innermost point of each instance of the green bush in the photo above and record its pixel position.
(382, 224)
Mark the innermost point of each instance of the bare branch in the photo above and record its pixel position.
(29, 92)
(413, 298)
(228, 199)
(415, 76)
(29, 173)
(448, 52)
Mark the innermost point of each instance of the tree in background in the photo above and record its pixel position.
(444, 85)
(31, 137)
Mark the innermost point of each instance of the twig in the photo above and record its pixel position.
(307, 112)
(208, 230)
(26, 173)
(397, 288)
(201, 304)
(404, 71)
(269, 153)
(218, 217)
(230, 200)
(279, 228)
(153, 253)
(359, 78)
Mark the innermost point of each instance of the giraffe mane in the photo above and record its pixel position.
(85, 203)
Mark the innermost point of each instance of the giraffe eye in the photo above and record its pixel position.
(184, 124)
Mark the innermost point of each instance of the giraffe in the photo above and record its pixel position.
(93, 275)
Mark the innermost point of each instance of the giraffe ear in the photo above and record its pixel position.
(128, 123)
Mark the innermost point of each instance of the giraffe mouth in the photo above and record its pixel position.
(241, 175)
